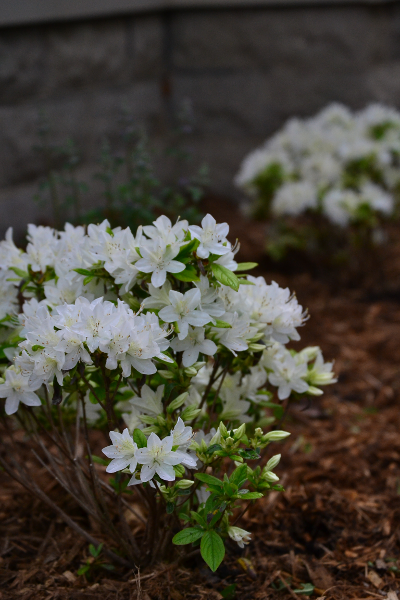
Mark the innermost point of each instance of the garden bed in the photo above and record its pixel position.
(336, 527)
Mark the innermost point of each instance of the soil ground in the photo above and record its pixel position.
(337, 525)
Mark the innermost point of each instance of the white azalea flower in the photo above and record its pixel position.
(150, 401)
(240, 536)
(228, 260)
(19, 388)
(236, 337)
(66, 290)
(123, 452)
(184, 311)
(321, 372)
(72, 346)
(212, 237)
(159, 458)
(288, 376)
(209, 301)
(157, 259)
(163, 228)
(95, 320)
(182, 433)
(192, 345)
(159, 297)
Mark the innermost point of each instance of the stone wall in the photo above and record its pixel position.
(245, 70)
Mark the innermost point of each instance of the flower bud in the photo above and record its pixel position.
(273, 462)
(314, 391)
(148, 419)
(238, 433)
(198, 365)
(151, 429)
(216, 438)
(223, 430)
(275, 436)
(190, 371)
(238, 535)
(256, 347)
(179, 470)
(310, 353)
(184, 484)
(166, 374)
(321, 378)
(177, 403)
(258, 336)
(270, 476)
(190, 413)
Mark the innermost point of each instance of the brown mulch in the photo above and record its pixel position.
(336, 526)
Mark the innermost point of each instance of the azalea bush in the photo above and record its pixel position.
(162, 344)
(327, 180)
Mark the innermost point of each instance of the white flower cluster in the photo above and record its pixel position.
(157, 458)
(337, 163)
(82, 314)
(105, 301)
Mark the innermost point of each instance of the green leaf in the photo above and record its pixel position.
(229, 593)
(239, 475)
(306, 589)
(88, 279)
(95, 551)
(189, 274)
(225, 276)
(249, 454)
(251, 496)
(187, 536)
(198, 518)
(209, 479)
(170, 508)
(212, 549)
(20, 272)
(139, 438)
(185, 252)
(213, 448)
(212, 503)
(222, 324)
(245, 282)
(107, 567)
(83, 272)
(246, 266)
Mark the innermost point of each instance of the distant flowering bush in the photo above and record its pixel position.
(338, 165)
(159, 342)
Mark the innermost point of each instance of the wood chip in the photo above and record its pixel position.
(375, 579)
(69, 576)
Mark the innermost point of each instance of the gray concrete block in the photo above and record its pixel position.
(85, 118)
(19, 134)
(21, 64)
(85, 54)
(261, 38)
(234, 104)
(145, 44)
(384, 83)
